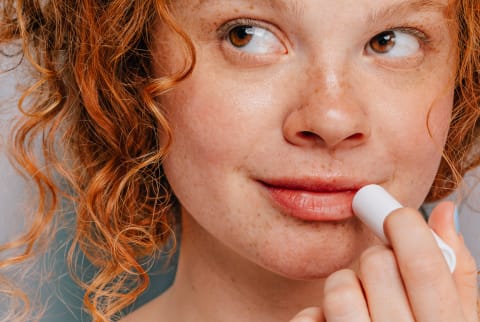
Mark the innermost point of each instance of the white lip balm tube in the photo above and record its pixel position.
(372, 204)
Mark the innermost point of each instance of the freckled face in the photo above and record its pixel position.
(290, 109)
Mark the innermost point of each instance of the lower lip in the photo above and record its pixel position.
(312, 205)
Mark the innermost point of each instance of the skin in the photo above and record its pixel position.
(318, 105)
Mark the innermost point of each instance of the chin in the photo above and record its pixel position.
(308, 267)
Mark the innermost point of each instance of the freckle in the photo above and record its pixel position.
(252, 7)
(236, 10)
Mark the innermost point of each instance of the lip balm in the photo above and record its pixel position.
(372, 204)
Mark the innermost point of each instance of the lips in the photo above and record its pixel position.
(313, 200)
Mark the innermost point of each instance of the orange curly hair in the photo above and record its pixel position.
(95, 96)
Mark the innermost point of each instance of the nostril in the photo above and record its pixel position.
(355, 137)
(312, 135)
(307, 135)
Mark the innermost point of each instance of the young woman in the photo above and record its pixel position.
(249, 126)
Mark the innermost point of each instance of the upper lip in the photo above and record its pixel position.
(335, 184)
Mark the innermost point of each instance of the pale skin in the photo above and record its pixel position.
(318, 98)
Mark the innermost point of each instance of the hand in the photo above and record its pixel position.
(409, 282)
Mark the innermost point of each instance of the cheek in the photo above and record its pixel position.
(419, 146)
(219, 122)
(203, 133)
(214, 131)
(438, 120)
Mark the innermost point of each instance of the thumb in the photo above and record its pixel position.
(311, 314)
(465, 274)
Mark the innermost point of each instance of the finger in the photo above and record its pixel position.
(428, 282)
(343, 298)
(465, 274)
(311, 314)
(383, 286)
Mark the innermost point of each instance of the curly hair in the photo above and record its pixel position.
(461, 152)
(95, 110)
(96, 98)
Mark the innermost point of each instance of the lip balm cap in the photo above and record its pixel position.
(372, 204)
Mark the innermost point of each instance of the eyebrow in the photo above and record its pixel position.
(293, 7)
(296, 8)
(404, 7)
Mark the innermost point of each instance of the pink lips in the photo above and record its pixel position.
(313, 201)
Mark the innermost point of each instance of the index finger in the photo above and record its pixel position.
(429, 285)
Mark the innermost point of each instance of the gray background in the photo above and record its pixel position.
(64, 304)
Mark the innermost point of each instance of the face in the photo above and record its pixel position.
(295, 105)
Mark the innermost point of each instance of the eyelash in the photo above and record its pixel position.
(411, 30)
(225, 28)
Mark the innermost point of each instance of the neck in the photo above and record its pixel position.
(213, 283)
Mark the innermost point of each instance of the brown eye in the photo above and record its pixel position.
(241, 36)
(383, 42)
(251, 39)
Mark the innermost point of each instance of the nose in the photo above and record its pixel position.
(328, 116)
